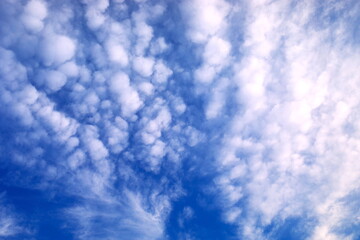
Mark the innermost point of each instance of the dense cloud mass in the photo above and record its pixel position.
(204, 119)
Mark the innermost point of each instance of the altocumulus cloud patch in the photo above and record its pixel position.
(179, 119)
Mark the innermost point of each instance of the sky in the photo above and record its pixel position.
(179, 120)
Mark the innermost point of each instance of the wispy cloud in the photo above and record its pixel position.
(9, 221)
(127, 217)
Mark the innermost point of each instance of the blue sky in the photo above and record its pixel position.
(184, 120)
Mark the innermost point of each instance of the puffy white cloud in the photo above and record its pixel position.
(95, 13)
(153, 127)
(147, 88)
(95, 147)
(117, 53)
(216, 51)
(55, 49)
(23, 113)
(277, 148)
(125, 94)
(178, 105)
(208, 26)
(35, 12)
(95, 18)
(55, 80)
(142, 31)
(158, 46)
(144, 66)
(12, 72)
(193, 136)
(205, 18)
(70, 69)
(57, 123)
(157, 150)
(76, 159)
(162, 73)
(36, 8)
(117, 135)
(205, 74)
(155, 122)
(28, 94)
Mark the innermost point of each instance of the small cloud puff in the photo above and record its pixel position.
(35, 12)
(55, 49)
(143, 66)
(125, 94)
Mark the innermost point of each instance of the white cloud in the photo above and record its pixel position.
(76, 159)
(155, 122)
(158, 46)
(36, 8)
(87, 121)
(207, 25)
(28, 94)
(55, 80)
(217, 100)
(117, 53)
(129, 216)
(35, 12)
(157, 150)
(147, 88)
(95, 13)
(162, 73)
(288, 144)
(55, 49)
(11, 70)
(205, 74)
(193, 136)
(95, 147)
(205, 18)
(179, 105)
(216, 51)
(187, 213)
(144, 66)
(142, 31)
(153, 127)
(95, 18)
(9, 224)
(289, 139)
(56, 121)
(117, 135)
(70, 69)
(126, 95)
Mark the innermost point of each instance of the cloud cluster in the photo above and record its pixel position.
(207, 21)
(112, 103)
(97, 94)
(290, 153)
